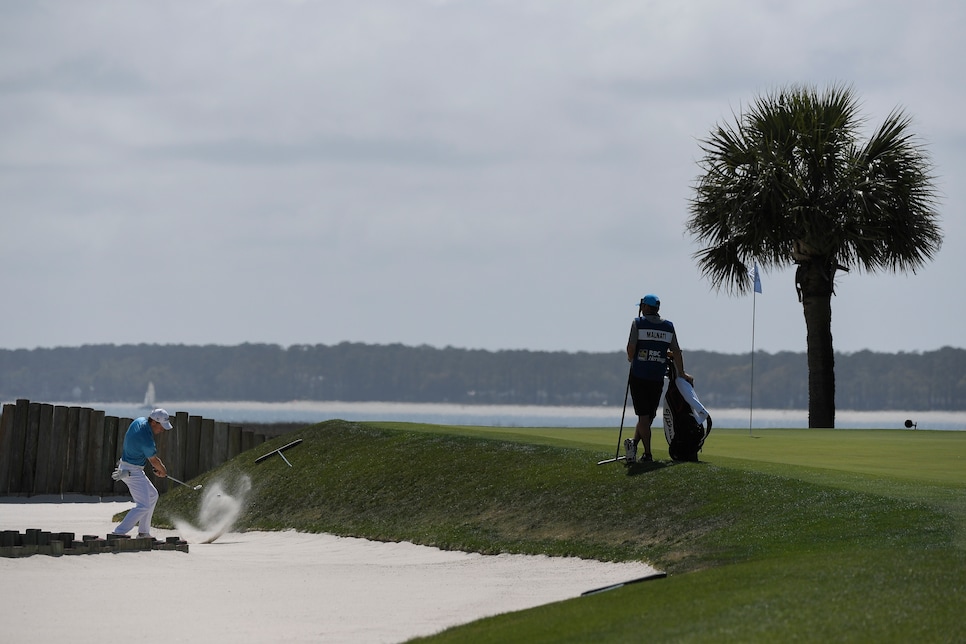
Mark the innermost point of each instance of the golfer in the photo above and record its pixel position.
(650, 341)
(139, 450)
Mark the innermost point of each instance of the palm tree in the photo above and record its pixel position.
(791, 183)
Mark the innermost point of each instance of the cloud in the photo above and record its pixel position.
(318, 150)
(486, 174)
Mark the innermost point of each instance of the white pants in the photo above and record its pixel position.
(145, 497)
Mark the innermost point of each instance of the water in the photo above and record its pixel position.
(518, 415)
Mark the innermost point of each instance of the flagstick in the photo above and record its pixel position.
(751, 395)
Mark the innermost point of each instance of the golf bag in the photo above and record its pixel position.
(686, 422)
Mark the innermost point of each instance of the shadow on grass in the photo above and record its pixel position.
(636, 469)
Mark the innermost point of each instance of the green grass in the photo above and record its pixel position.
(803, 535)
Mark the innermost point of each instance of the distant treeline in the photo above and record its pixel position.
(865, 380)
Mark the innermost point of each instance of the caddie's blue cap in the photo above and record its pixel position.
(651, 300)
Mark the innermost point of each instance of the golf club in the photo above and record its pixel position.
(197, 487)
(611, 460)
(620, 435)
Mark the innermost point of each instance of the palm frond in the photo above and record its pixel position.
(790, 173)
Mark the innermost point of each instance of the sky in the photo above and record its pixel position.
(477, 174)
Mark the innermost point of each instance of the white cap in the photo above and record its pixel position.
(161, 417)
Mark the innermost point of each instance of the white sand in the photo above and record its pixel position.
(264, 586)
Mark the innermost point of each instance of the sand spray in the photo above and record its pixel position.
(218, 511)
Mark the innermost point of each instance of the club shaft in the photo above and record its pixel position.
(620, 434)
(179, 482)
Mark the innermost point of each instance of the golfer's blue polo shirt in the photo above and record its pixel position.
(139, 443)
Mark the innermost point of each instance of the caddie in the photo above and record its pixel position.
(651, 339)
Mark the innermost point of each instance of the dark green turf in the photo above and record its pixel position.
(760, 544)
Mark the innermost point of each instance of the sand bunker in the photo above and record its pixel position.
(265, 586)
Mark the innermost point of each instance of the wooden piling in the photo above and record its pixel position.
(41, 482)
(57, 481)
(6, 446)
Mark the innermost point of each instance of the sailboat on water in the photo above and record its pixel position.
(149, 396)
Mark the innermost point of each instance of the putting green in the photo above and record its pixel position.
(929, 456)
(911, 455)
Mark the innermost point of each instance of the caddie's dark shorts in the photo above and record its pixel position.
(646, 395)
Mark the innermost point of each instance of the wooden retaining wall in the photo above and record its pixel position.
(34, 541)
(53, 449)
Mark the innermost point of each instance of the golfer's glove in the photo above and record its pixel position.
(117, 475)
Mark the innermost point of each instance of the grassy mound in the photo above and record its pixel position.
(752, 554)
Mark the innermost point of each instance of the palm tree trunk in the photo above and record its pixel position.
(816, 290)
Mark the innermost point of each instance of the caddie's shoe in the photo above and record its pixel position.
(630, 451)
(647, 458)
